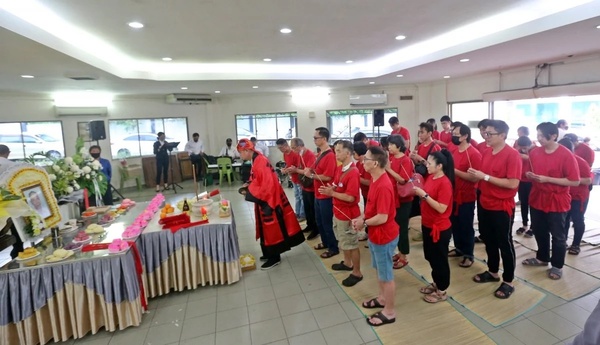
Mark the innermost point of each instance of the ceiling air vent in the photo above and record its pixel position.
(82, 77)
(406, 98)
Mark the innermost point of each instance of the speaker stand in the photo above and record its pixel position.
(172, 184)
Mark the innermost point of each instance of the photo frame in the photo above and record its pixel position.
(37, 200)
(83, 131)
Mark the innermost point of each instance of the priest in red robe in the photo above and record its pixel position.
(276, 223)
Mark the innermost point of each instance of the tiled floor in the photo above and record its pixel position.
(299, 303)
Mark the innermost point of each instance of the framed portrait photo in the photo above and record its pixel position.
(37, 200)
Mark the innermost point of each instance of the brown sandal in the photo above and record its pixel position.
(429, 289)
(435, 297)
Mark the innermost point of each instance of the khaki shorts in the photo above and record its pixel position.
(346, 241)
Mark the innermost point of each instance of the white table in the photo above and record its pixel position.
(234, 165)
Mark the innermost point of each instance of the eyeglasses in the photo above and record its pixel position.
(490, 134)
(315, 138)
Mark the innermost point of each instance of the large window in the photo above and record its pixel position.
(136, 137)
(344, 124)
(266, 127)
(470, 113)
(26, 138)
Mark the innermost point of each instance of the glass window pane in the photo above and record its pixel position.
(244, 126)
(121, 135)
(286, 126)
(177, 130)
(12, 141)
(33, 133)
(148, 128)
(470, 114)
(266, 127)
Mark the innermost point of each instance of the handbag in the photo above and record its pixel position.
(407, 189)
(421, 168)
(306, 181)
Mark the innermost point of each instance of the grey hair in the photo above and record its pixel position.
(298, 141)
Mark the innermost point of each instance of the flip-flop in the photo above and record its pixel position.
(328, 254)
(534, 262)
(429, 289)
(574, 250)
(454, 253)
(485, 277)
(435, 297)
(384, 320)
(319, 246)
(554, 273)
(373, 303)
(464, 263)
(400, 263)
(505, 289)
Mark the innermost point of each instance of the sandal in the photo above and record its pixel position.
(485, 277)
(529, 233)
(372, 304)
(554, 273)
(574, 250)
(341, 267)
(319, 246)
(454, 253)
(435, 297)
(384, 320)
(351, 280)
(328, 254)
(521, 231)
(504, 291)
(396, 257)
(466, 262)
(478, 239)
(534, 262)
(429, 289)
(400, 263)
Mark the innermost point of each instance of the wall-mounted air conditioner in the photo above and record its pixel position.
(81, 111)
(374, 99)
(188, 98)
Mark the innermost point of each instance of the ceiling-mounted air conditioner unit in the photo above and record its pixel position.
(81, 111)
(188, 98)
(374, 99)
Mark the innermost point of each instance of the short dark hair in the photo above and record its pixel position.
(360, 136)
(95, 147)
(523, 129)
(4, 150)
(228, 139)
(464, 130)
(499, 125)
(524, 141)
(426, 126)
(195, 135)
(566, 142)
(384, 142)
(561, 122)
(483, 123)
(445, 118)
(346, 144)
(444, 157)
(431, 120)
(393, 120)
(324, 132)
(280, 141)
(360, 148)
(548, 129)
(573, 137)
(253, 139)
(379, 156)
(456, 124)
(398, 140)
(160, 133)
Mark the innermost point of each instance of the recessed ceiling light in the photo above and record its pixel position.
(371, 82)
(285, 30)
(267, 60)
(598, 27)
(399, 75)
(349, 61)
(464, 60)
(27, 76)
(217, 91)
(184, 88)
(446, 76)
(136, 25)
(167, 59)
(400, 37)
(255, 87)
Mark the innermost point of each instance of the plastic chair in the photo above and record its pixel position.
(225, 168)
(130, 172)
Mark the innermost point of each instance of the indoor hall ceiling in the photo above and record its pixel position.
(220, 45)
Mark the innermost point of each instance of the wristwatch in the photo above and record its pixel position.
(486, 178)
(425, 196)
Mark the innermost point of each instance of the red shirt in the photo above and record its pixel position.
(446, 136)
(326, 166)
(381, 201)
(435, 135)
(349, 184)
(525, 168)
(586, 152)
(550, 197)
(440, 190)
(582, 192)
(482, 147)
(292, 159)
(473, 142)
(404, 133)
(363, 174)
(506, 163)
(464, 191)
(372, 143)
(403, 167)
(423, 150)
(307, 159)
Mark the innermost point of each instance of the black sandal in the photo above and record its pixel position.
(351, 280)
(574, 250)
(466, 264)
(373, 303)
(485, 277)
(505, 289)
(521, 231)
(341, 267)
(384, 320)
(454, 253)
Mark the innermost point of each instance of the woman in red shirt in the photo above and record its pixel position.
(400, 171)
(436, 207)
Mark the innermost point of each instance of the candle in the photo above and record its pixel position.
(203, 211)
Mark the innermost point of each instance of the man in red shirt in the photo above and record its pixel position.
(580, 196)
(553, 170)
(345, 192)
(435, 134)
(419, 156)
(465, 157)
(292, 159)
(306, 159)
(524, 145)
(397, 129)
(582, 150)
(446, 133)
(482, 146)
(498, 184)
(322, 172)
(383, 235)
(362, 137)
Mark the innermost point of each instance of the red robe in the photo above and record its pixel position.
(276, 223)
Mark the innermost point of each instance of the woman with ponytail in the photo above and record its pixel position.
(436, 208)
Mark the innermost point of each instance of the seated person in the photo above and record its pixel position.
(229, 150)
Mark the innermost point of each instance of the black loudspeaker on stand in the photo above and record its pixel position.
(378, 117)
(97, 130)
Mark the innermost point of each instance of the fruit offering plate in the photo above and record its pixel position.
(28, 258)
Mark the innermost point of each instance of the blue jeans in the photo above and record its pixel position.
(324, 217)
(299, 204)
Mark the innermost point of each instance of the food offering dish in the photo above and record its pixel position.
(94, 229)
(59, 255)
(27, 254)
(82, 237)
(118, 246)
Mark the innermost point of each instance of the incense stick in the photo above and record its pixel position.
(195, 183)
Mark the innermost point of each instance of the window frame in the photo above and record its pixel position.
(21, 135)
(275, 115)
(364, 111)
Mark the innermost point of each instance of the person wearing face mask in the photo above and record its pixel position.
(95, 152)
(162, 161)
